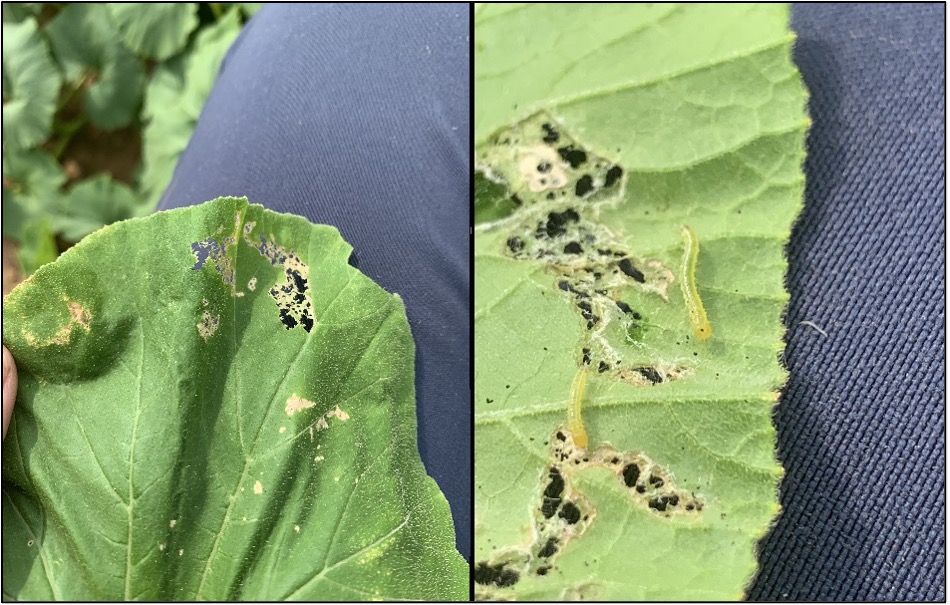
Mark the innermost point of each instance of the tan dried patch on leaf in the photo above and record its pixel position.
(562, 513)
(649, 375)
(542, 168)
(78, 316)
(323, 422)
(248, 227)
(336, 411)
(216, 253)
(541, 162)
(208, 325)
(588, 591)
(292, 294)
(648, 484)
(296, 403)
(258, 488)
(658, 278)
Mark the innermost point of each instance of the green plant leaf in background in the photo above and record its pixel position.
(38, 244)
(92, 204)
(91, 53)
(30, 85)
(31, 187)
(156, 30)
(15, 12)
(31, 192)
(214, 405)
(613, 128)
(174, 98)
(250, 8)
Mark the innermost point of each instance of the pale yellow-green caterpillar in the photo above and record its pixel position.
(694, 304)
(575, 424)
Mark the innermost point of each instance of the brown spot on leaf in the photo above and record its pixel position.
(80, 315)
(296, 404)
(208, 325)
(338, 413)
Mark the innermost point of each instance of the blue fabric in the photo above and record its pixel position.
(861, 423)
(358, 116)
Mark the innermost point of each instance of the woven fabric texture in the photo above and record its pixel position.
(861, 423)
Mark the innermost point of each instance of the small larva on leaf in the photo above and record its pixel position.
(694, 304)
(575, 424)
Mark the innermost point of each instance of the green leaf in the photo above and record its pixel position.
(614, 127)
(93, 204)
(492, 200)
(30, 85)
(15, 12)
(31, 194)
(37, 244)
(250, 8)
(214, 405)
(204, 62)
(174, 99)
(156, 30)
(31, 188)
(87, 46)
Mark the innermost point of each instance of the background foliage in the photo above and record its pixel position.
(99, 100)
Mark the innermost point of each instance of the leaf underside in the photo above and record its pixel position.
(214, 405)
(598, 134)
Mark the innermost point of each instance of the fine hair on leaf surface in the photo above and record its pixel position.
(610, 141)
(214, 405)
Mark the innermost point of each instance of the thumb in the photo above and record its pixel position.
(9, 388)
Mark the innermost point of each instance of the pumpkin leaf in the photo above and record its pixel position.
(88, 47)
(155, 30)
(31, 188)
(31, 84)
(174, 98)
(213, 405)
(621, 452)
(92, 204)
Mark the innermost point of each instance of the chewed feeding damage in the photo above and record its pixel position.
(562, 514)
(208, 325)
(291, 294)
(560, 185)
